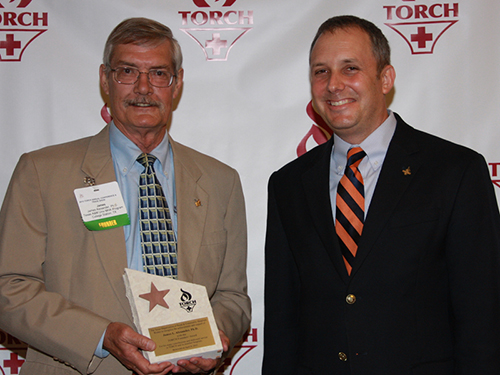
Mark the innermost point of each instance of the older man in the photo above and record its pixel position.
(383, 244)
(61, 287)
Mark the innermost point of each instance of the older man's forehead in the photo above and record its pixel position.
(135, 55)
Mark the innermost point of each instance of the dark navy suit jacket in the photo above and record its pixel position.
(425, 286)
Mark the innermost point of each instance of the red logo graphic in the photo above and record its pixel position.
(20, 28)
(495, 171)
(421, 25)
(14, 363)
(319, 133)
(12, 354)
(204, 4)
(16, 3)
(216, 31)
(239, 352)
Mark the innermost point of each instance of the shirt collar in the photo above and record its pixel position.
(125, 152)
(375, 146)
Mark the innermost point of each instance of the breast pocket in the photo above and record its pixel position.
(444, 367)
(214, 238)
(413, 231)
(414, 217)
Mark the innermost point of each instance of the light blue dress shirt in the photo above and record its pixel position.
(127, 170)
(375, 146)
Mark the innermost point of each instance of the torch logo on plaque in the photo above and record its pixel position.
(187, 301)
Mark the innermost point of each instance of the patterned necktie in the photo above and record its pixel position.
(350, 212)
(159, 247)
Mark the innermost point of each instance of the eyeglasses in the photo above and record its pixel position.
(157, 77)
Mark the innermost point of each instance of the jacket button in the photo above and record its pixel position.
(350, 299)
(343, 356)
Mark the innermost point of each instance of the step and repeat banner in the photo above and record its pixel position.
(246, 91)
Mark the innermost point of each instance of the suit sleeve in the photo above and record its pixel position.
(230, 302)
(44, 319)
(281, 300)
(473, 258)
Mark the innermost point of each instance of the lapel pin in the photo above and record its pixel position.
(407, 171)
(197, 202)
(89, 181)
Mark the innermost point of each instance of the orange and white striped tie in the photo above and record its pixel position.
(350, 211)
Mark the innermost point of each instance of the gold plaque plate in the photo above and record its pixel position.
(178, 337)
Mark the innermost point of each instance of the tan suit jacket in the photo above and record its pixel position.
(61, 284)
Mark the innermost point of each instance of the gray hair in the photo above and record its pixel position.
(142, 31)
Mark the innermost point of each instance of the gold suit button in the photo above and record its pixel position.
(350, 299)
(342, 356)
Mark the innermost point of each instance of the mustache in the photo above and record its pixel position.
(144, 100)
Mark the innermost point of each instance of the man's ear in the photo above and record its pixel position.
(388, 76)
(178, 83)
(103, 78)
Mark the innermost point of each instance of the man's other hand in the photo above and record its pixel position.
(125, 344)
(198, 365)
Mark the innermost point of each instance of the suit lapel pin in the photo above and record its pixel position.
(89, 181)
(197, 202)
(407, 171)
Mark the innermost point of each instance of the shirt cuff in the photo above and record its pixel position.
(100, 351)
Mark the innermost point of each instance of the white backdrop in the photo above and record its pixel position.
(244, 101)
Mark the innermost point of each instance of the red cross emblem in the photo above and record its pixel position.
(421, 36)
(14, 363)
(13, 44)
(10, 45)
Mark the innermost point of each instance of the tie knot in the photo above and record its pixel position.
(146, 159)
(354, 155)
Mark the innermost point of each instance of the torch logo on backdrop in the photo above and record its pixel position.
(18, 28)
(238, 354)
(495, 173)
(421, 25)
(12, 354)
(216, 27)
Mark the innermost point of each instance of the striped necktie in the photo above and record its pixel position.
(350, 211)
(158, 243)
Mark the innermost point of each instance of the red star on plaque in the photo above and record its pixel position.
(155, 297)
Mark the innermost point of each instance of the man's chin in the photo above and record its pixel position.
(340, 123)
(146, 119)
(141, 122)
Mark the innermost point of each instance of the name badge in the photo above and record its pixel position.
(102, 206)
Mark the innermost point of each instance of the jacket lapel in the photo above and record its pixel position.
(192, 204)
(98, 164)
(316, 183)
(401, 164)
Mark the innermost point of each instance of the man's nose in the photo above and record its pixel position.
(143, 86)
